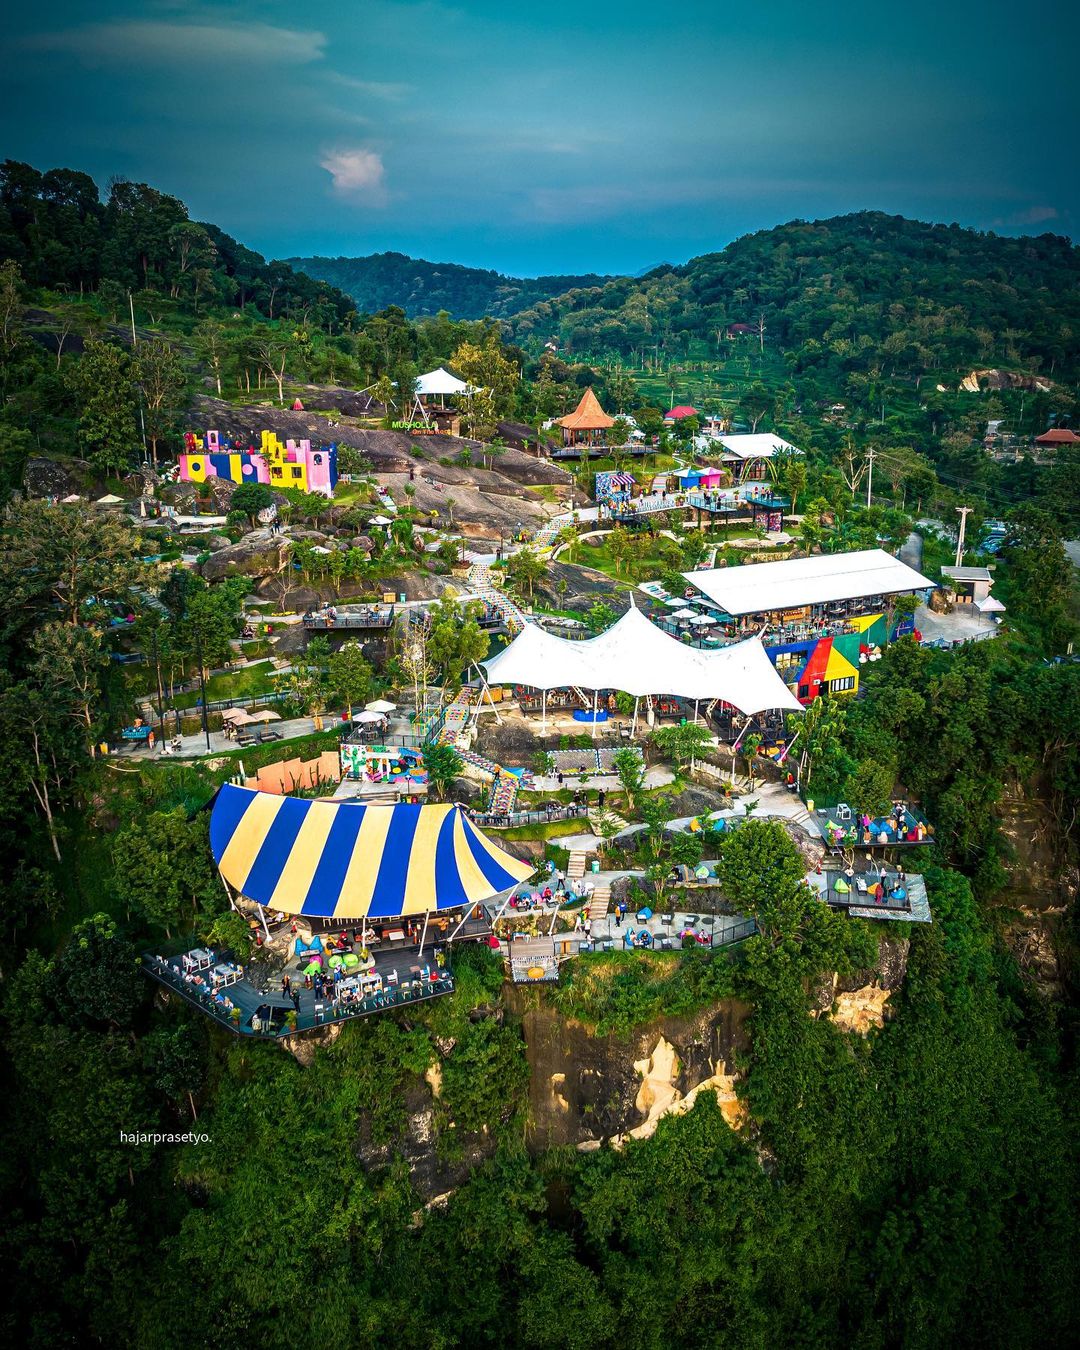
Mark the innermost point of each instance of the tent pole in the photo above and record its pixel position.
(423, 935)
(543, 712)
(262, 916)
(228, 892)
(594, 694)
(695, 711)
(633, 724)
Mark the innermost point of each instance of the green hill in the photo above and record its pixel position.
(421, 287)
(867, 294)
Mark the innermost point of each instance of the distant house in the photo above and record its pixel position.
(738, 330)
(1056, 436)
(971, 586)
(679, 414)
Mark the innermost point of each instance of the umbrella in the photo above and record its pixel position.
(234, 715)
(703, 619)
(380, 705)
(674, 601)
(379, 520)
(264, 715)
(685, 614)
(368, 715)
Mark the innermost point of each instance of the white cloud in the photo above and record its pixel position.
(374, 88)
(159, 42)
(1032, 215)
(356, 173)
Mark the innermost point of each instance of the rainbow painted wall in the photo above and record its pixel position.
(831, 665)
(280, 464)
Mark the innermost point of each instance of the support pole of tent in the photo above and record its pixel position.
(695, 711)
(543, 712)
(554, 916)
(228, 892)
(594, 695)
(262, 916)
(633, 724)
(423, 935)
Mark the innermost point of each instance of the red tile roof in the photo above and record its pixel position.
(1058, 436)
(683, 410)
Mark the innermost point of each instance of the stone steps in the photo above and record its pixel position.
(600, 902)
(575, 868)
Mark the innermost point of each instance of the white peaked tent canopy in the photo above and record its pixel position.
(638, 658)
(439, 382)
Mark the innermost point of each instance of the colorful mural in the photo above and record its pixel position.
(278, 464)
(819, 665)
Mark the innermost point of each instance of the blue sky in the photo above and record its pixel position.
(556, 136)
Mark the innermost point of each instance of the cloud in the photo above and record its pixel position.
(1032, 215)
(375, 88)
(173, 44)
(356, 173)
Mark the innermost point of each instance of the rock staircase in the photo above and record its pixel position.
(607, 814)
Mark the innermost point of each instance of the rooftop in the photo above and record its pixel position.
(587, 416)
(757, 445)
(967, 573)
(759, 588)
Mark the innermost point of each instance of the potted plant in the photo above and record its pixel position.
(290, 1019)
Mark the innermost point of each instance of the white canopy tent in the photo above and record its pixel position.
(635, 657)
(438, 384)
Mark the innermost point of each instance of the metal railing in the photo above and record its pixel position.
(386, 1000)
(504, 820)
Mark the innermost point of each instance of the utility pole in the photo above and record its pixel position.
(964, 512)
(202, 684)
(870, 473)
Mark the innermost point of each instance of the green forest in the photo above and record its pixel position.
(915, 1186)
(424, 288)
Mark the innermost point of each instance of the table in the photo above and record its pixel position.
(394, 935)
(225, 975)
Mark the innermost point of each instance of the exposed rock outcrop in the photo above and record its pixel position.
(258, 554)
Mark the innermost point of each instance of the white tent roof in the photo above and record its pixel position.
(638, 658)
(440, 382)
(757, 445)
(759, 588)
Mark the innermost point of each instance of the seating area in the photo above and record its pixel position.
(842, 827)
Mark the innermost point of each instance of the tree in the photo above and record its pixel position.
(443, 764)
(159, 373)
(250, 499)
(755, 403)
(42, 750)
(683, 743)
(101, 381)
(870, 787)
(66, 558)
(350, 675)
(164, 871)
(524, 568)
(213, 345)
(68, 663)
(176, 1060)
(274, 349)
(600, 617)
(97, 974)
(630, 768)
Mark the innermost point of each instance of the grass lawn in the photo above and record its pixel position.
(546, 829)
(248, 683)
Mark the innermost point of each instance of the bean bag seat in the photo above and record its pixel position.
(350, 960)
(334, 961)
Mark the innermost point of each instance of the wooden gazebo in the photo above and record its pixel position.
(587, 423)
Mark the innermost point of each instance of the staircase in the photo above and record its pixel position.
(482, 586)
(504, 791)
(607, 814)
(575, 868)
(600, 901)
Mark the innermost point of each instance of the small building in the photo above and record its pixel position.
(679, 414)
(749, 455)
(971, 586)
(587, 424)
(1057, 436)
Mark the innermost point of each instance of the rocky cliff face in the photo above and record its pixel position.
(586, 1088)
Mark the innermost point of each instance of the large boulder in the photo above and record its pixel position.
(45, 477)
(258, 554)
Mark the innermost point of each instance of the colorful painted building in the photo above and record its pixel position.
(288, 464)
(822, 618)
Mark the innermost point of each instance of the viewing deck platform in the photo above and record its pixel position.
(365, 617)
(856, 896)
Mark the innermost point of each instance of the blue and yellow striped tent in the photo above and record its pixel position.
(345, 860)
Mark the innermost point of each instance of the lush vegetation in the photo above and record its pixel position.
(912, 1187)
(425, 288)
